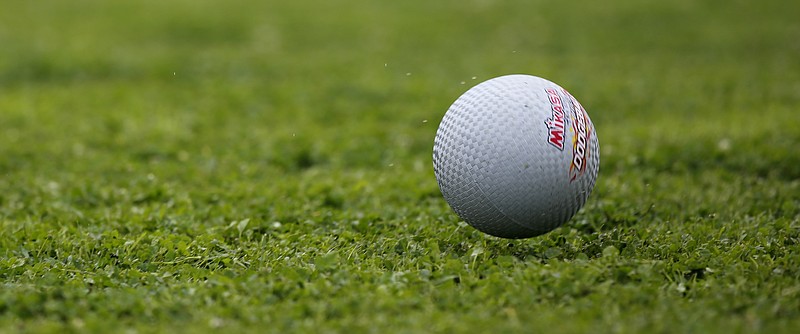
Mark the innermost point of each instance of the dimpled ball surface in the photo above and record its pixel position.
(516, 156)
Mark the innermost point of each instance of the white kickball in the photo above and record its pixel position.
(516, 156)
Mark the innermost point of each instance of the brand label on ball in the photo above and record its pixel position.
(560, 119)
(555, 124)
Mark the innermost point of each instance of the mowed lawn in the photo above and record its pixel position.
(265, 166)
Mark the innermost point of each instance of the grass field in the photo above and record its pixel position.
(265, 166)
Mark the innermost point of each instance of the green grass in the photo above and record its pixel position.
(256, 166)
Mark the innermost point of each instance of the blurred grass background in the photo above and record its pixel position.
(150, 146)
(188, 68)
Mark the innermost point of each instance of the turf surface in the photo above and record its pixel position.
(266, 166)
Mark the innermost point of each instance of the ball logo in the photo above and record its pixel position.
(581, 129)
(555, 124)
